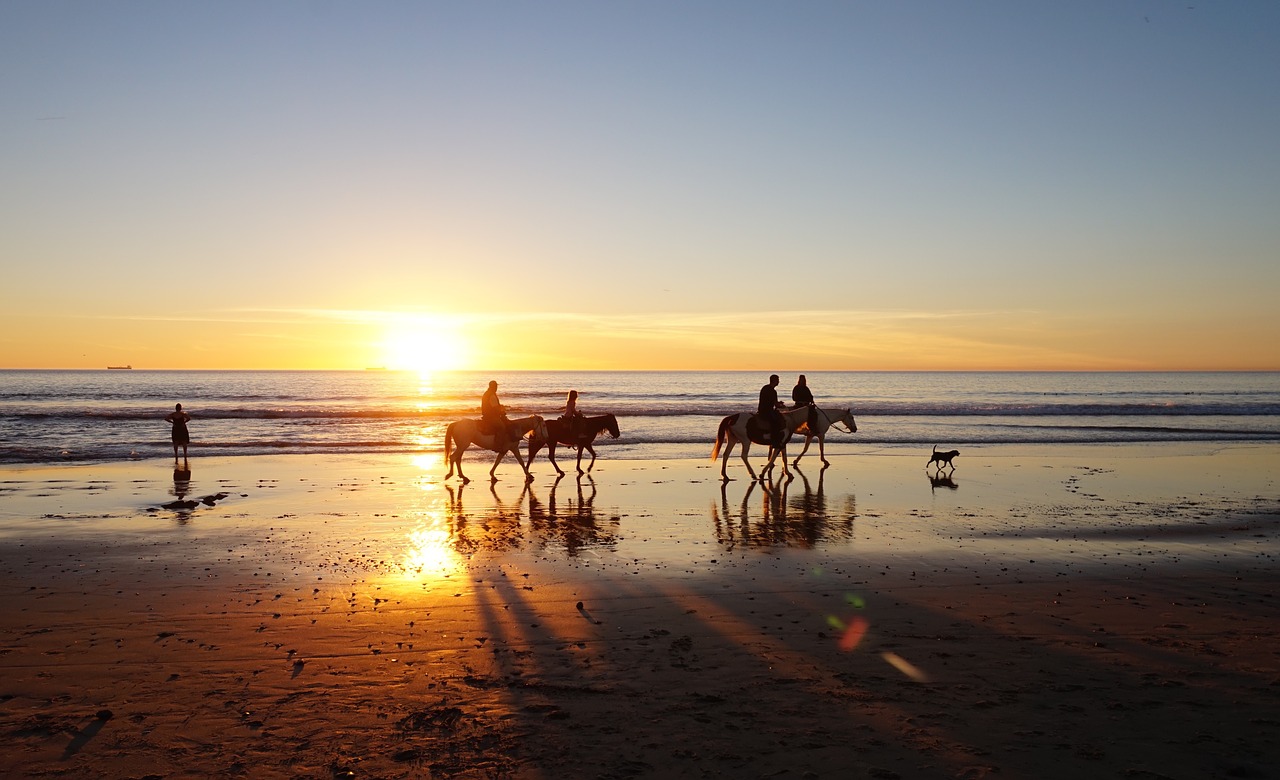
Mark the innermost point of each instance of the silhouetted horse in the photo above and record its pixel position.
(824, 419)
(578, 433)
(745, 428)
(463, 433)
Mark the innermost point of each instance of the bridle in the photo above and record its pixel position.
(833, 423)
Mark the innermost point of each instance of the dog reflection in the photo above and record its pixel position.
(942, 481)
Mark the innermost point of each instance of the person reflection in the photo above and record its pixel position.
(181, 487)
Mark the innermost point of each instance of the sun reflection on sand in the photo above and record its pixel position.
(429, 551)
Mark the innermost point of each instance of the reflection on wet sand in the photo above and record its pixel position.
(786, 517)
(573, 524)
(181, 487)
(570, 524)
(942, 481)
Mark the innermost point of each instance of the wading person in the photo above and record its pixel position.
(180, 435)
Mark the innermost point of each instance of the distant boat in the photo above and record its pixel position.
(119, 368)
(375, 368)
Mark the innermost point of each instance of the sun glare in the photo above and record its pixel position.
(425, 347)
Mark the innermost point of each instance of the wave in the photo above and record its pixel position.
(881, 410)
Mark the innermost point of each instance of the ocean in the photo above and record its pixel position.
(102, 415)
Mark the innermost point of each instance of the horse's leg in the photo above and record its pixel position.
(492, 476)
(528, 477)
(724, 462)
(457, 461)
(591, 450)
(551, 456)
(746, 446)
(767, 471)
(580, 471)
(822, 449)
(808, 437)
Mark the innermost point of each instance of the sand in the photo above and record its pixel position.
(1054, 612)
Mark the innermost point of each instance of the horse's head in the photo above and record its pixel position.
(539, 428)
(611, 423)
(846, 417)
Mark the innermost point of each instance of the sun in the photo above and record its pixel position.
(425, 346)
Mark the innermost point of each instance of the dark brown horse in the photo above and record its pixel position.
(579, 432)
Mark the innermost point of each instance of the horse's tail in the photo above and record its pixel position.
(722, 435)
(448, 442)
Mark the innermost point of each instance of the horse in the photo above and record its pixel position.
(561, 432)
(823, 421)
(734, 430)
(462, 434)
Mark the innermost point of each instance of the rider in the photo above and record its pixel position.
(493, 416)
(768, 409)
(801, 395)
(572, 417)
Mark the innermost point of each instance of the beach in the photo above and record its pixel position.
(1044, 611)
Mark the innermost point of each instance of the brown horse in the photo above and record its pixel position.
(578, 433)
(464, 433)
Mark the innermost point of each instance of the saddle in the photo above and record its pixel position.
(759, 432)
(492, 427)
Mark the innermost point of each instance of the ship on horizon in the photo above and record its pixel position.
(119, 368)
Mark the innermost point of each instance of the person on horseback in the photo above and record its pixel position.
(493, 416)
(767, 409)
(801, 395)
(572, 417)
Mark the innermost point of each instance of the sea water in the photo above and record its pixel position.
(67, 416)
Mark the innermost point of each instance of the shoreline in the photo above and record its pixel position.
(1082, 611)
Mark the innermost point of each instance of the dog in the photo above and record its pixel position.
(942, 458)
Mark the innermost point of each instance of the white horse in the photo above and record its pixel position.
(734, 429)
(824, 419)
(462, 434)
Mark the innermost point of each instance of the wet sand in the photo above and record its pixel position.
(1054, 612)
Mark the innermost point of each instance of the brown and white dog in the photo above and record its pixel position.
(942, 458)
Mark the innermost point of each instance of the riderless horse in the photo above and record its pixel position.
(578, 433)
(464, 433)
(823, 419)
(745, 428)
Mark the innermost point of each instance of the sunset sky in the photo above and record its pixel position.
(682, 185)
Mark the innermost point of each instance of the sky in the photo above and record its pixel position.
(988, 185)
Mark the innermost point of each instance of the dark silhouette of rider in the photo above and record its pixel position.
(801, 395)
(493, 416)
(572, 417)
(768, 410)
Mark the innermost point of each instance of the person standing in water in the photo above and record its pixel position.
(181, 436)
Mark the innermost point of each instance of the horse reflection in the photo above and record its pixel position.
(573, 525)
(787, 516)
